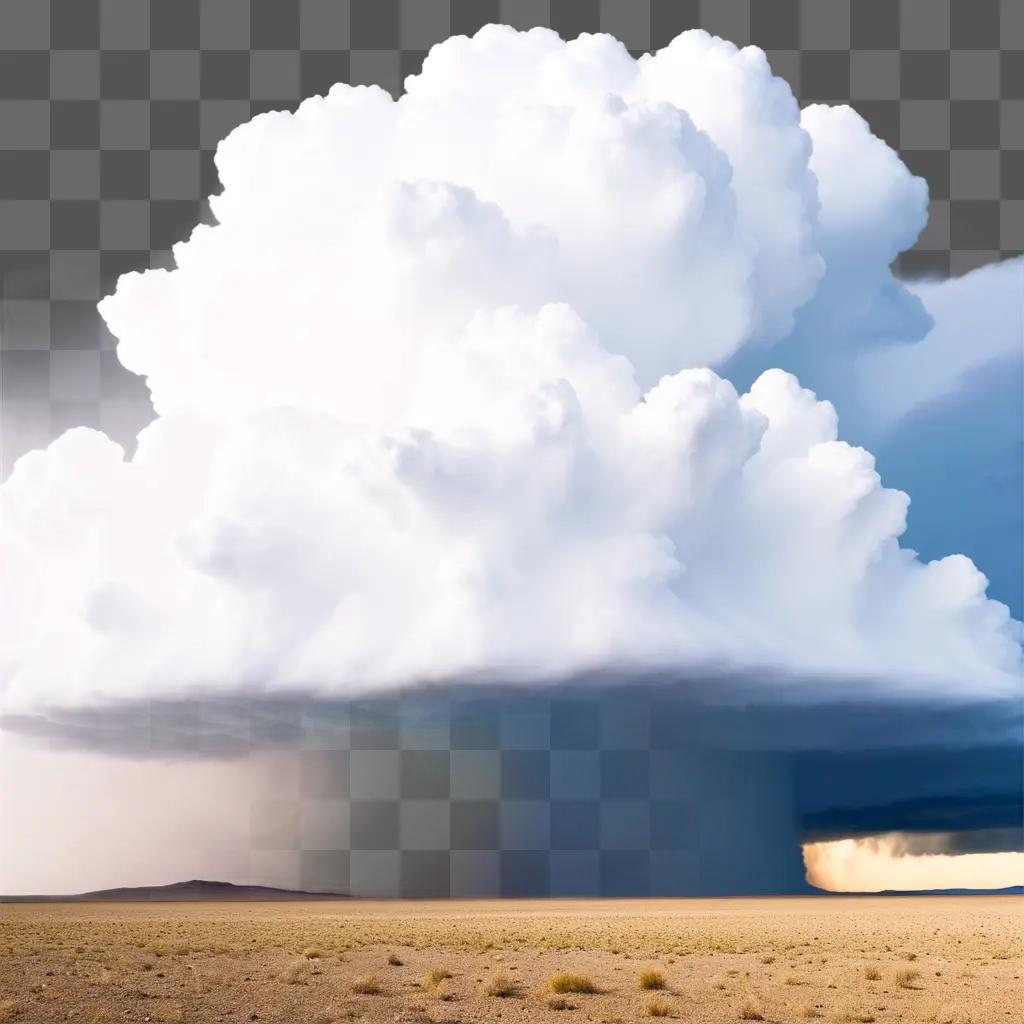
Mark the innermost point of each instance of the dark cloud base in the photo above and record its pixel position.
(642, 789)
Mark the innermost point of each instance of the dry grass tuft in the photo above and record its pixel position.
(791, 979)
(658, 1008)
(501, 986)
(652, 980)
(394, 960)
(907, 977)
(748, 1011)
(940, 1016)
(9, 1009)
(560, 1003)
(909, 956)
(294, 974)
(434, 977)
(366, 986)
(872, 973)
(807, 1011)
(578, 983)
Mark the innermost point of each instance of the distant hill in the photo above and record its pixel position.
(1010, 890)
(198, 889)
(193, 890)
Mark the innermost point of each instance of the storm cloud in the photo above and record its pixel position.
(544, 385)
(434, 402)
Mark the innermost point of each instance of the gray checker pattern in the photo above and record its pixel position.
(110, 111)
(517, 794)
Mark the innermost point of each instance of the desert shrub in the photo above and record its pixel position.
(658, 1008)
(872, 973)
(652, 980)
(559, 1003)
(578, 983)
(907, 977)
(294, 974)
(748, 1011)
(501, 986)
(434, 977)
(394, 960)
(369, 985)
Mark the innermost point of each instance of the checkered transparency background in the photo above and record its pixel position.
(501, 791)
(110, 112)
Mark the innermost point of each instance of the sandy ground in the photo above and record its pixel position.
(933, 959)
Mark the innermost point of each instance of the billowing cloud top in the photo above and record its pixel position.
(434, 402)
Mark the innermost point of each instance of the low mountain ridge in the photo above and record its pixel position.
(195, 889)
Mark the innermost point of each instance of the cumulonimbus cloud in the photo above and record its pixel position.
(434, 401)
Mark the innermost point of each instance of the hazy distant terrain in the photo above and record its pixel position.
(935, 959)
(194, 889)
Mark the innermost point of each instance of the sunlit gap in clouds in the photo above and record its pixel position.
(897, 861)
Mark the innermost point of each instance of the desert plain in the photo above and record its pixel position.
(943, 960)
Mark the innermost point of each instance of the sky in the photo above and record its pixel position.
(563, 364)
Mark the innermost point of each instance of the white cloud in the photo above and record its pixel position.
(979, 321)
(433, 403)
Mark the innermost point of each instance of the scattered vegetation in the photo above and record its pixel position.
(100, 960)
(368, 985)
(435, 977)
(501, 986)
(294, 974)
(578, 983)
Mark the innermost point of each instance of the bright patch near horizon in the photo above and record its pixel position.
(882, 863)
